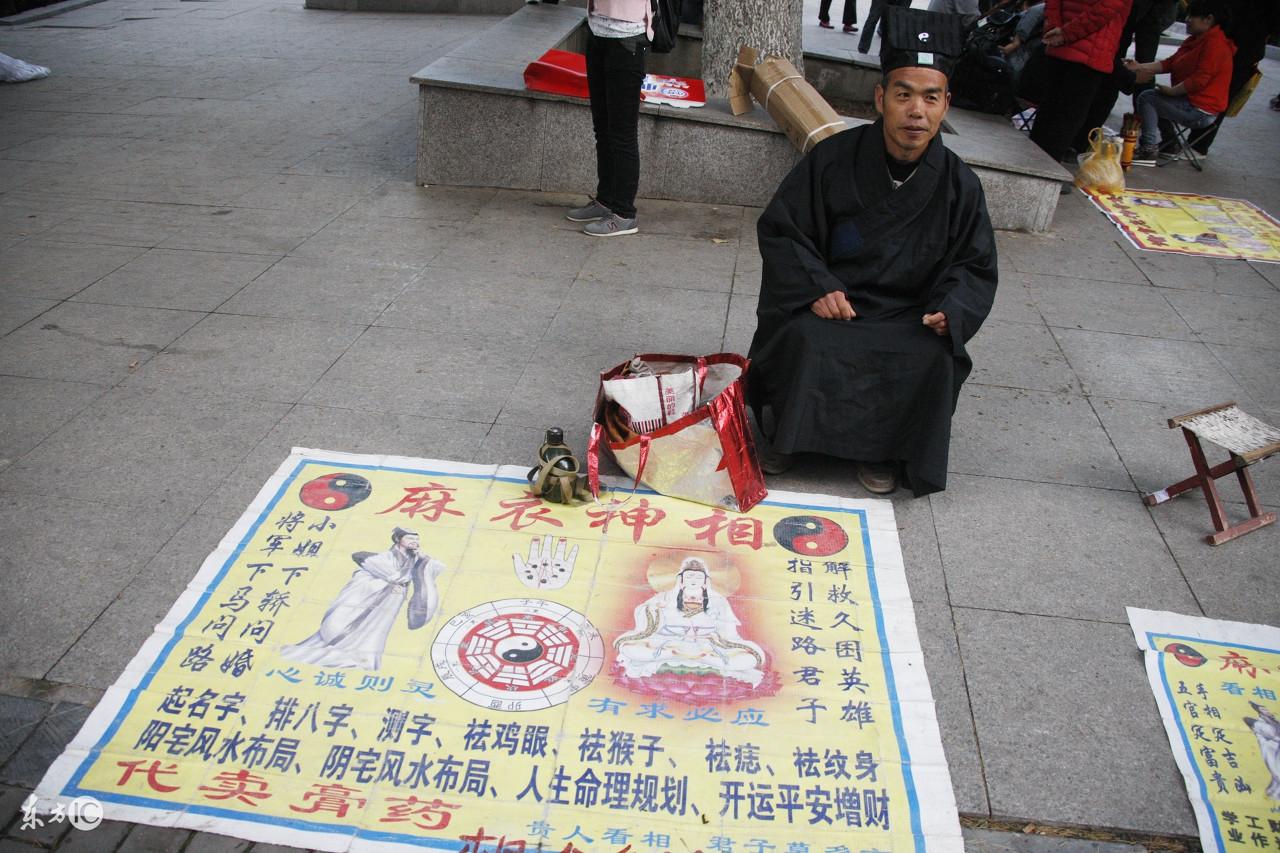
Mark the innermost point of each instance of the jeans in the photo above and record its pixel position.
(615, 70)
(1156, 111)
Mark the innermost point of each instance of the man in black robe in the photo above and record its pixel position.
(879, 265)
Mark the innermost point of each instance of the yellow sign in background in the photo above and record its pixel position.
(408, 653)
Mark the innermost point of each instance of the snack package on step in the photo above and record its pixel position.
(707, 455)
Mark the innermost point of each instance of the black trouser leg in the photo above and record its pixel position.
(615, 70)
(824, 11)
(1060, 115)
(850, 12)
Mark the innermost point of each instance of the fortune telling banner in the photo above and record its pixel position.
(1190, 224)
(1216, 684)
(391, 653)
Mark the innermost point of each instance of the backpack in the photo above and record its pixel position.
(666, 25)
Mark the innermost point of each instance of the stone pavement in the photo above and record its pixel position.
(211, 250)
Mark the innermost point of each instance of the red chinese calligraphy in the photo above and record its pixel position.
(424, 814)
(479, 837)
(526, 512)
(330, 798)
(739, 531)
(1240, 663)
(430, 502)
(637, 518)
(153, 771)
(237, 786)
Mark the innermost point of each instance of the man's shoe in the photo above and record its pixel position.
(826, 25)
(850, 28)
(1145, 155)
(879, 478)
(773, 462)
(611, 225)
(589, 212)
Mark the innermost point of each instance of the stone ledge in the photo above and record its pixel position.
(542, 141)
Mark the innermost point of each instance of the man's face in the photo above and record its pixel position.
(409, 542)
(913, 107)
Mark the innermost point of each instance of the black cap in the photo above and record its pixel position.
(915, 38)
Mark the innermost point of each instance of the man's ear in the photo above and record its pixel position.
(948, 99)
(880, 99)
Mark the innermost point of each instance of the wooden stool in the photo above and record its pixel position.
(1248, 440)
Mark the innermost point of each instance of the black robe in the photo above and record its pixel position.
(880, 387)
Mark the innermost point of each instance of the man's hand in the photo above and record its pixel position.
(834, 306)
(936, 321)
(1054, 38)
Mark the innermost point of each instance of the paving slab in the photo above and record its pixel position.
(1020, 355)
(78, 342)
(1233, 581)
(46, 742)
(172, 278)
(48, 270)
(1014, 302)
(1064, 551)
(1107, 306)
(1207, 275)
(951, 702)
(439, 204)
(448, 376)
(105, 836)
(259, 358)
(629, 316)
(154, 839)
(16, 311)
(1229, 319)
(1032, 435)
(18, 719)
(348, 290)
(53, 601)
(1254, 369)
(1053, 255)
(35, 409)
(1180, 373)
(560, 380)
(501, 305)
(1104, 761)
(144, 448)
(694, 264)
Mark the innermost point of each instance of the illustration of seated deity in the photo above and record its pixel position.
(685, 644)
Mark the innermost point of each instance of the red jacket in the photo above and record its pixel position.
(1091, 28)
(1203, 65)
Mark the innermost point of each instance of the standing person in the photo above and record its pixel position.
(1250, 24)
(850, 16)
(1080, 38)
(616, 49)
(1201, 72)
(873, 18)
(879, 265)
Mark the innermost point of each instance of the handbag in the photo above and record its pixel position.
(707, 456)
(1101, 170)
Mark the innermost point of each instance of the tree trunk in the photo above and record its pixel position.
(770, 26)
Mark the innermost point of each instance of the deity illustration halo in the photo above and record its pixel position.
(663, 568)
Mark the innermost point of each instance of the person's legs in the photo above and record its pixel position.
(624, 72)
(597, 49)
(850, 16)
(869, 28)
(824, 11)
(1070, 90)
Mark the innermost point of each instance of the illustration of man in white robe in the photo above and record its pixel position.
(354, 630)
(690, 628)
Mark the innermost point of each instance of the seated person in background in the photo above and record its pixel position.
(879, 264)
(1201, 72)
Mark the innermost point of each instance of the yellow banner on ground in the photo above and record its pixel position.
(1189, 224)
(1217, 685)
(391, 653)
